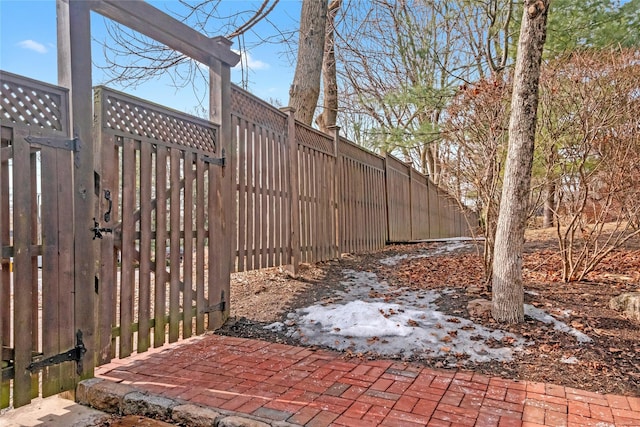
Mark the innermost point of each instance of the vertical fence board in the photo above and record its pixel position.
(272, 218)
(22, 269)
(212, 286)
(317, 224)
(5, 273)
(144, 287)
(264, 197)
(127, 275)
(174, 245)
(255, 185)
(314, 222)
(117, 254)
(332, 208)
(278, 207)
(241, 143)
(160, 295)
(434, 224)
(293, 188)
(51, 280)
(108, 258)
(351, 208)
(66, 288)
(35, 324)
(304, 201)
(319, 196)
(187, 326)
(250, 240)
(200, 244)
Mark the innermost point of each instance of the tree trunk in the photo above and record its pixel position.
(304, 92)
(508, 294)
(327, 119)
(549, 204)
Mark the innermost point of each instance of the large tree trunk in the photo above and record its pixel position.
(304, 92)
(327, 119)
(508, 294)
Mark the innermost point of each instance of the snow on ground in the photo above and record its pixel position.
(543, 317)
(449, 247)
(370, 316)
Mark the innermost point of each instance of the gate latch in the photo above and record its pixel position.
(97, 230)
(75, 354)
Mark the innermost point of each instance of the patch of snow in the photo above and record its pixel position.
(454, 245)
(373, 317)
(569, 360)
(276, 326)
(534, 293)
(540, 315)
(452, 239)
(393, 260)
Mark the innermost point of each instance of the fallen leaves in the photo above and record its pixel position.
(609, 364)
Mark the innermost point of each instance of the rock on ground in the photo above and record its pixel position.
(628, 303)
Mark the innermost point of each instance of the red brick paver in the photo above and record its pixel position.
(321, 388)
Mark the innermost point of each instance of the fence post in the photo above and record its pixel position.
(412, 207)
(293, 256)
(335, 188)
(74, 72)
(386, 195)
(221, 215)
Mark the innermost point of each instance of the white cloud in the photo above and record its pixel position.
(33, 45)
(251, 63)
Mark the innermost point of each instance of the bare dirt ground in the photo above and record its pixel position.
(610, 363)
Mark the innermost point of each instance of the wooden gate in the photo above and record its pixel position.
(158, 172)
(41, 352)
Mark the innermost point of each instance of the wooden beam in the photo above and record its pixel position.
(146, 19)
(74, 72)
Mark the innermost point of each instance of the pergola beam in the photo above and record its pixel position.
(146, 19)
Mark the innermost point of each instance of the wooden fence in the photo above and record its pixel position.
(300, 196)
(81, 208)
(304, 196)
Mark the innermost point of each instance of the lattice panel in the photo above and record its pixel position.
(255, 110)
(360, 154)
(29, 103)
(133, 116)
(314, 139)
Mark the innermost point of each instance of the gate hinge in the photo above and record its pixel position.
(75, 354)
(217, 307)
(218, 162)
(58, 142)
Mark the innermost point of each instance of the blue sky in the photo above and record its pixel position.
(28, 47)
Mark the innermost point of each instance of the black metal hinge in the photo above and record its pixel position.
(218, 162)
(217, 307)
(75, 354)
(58, 142)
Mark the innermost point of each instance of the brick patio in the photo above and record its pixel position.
(320, 388)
